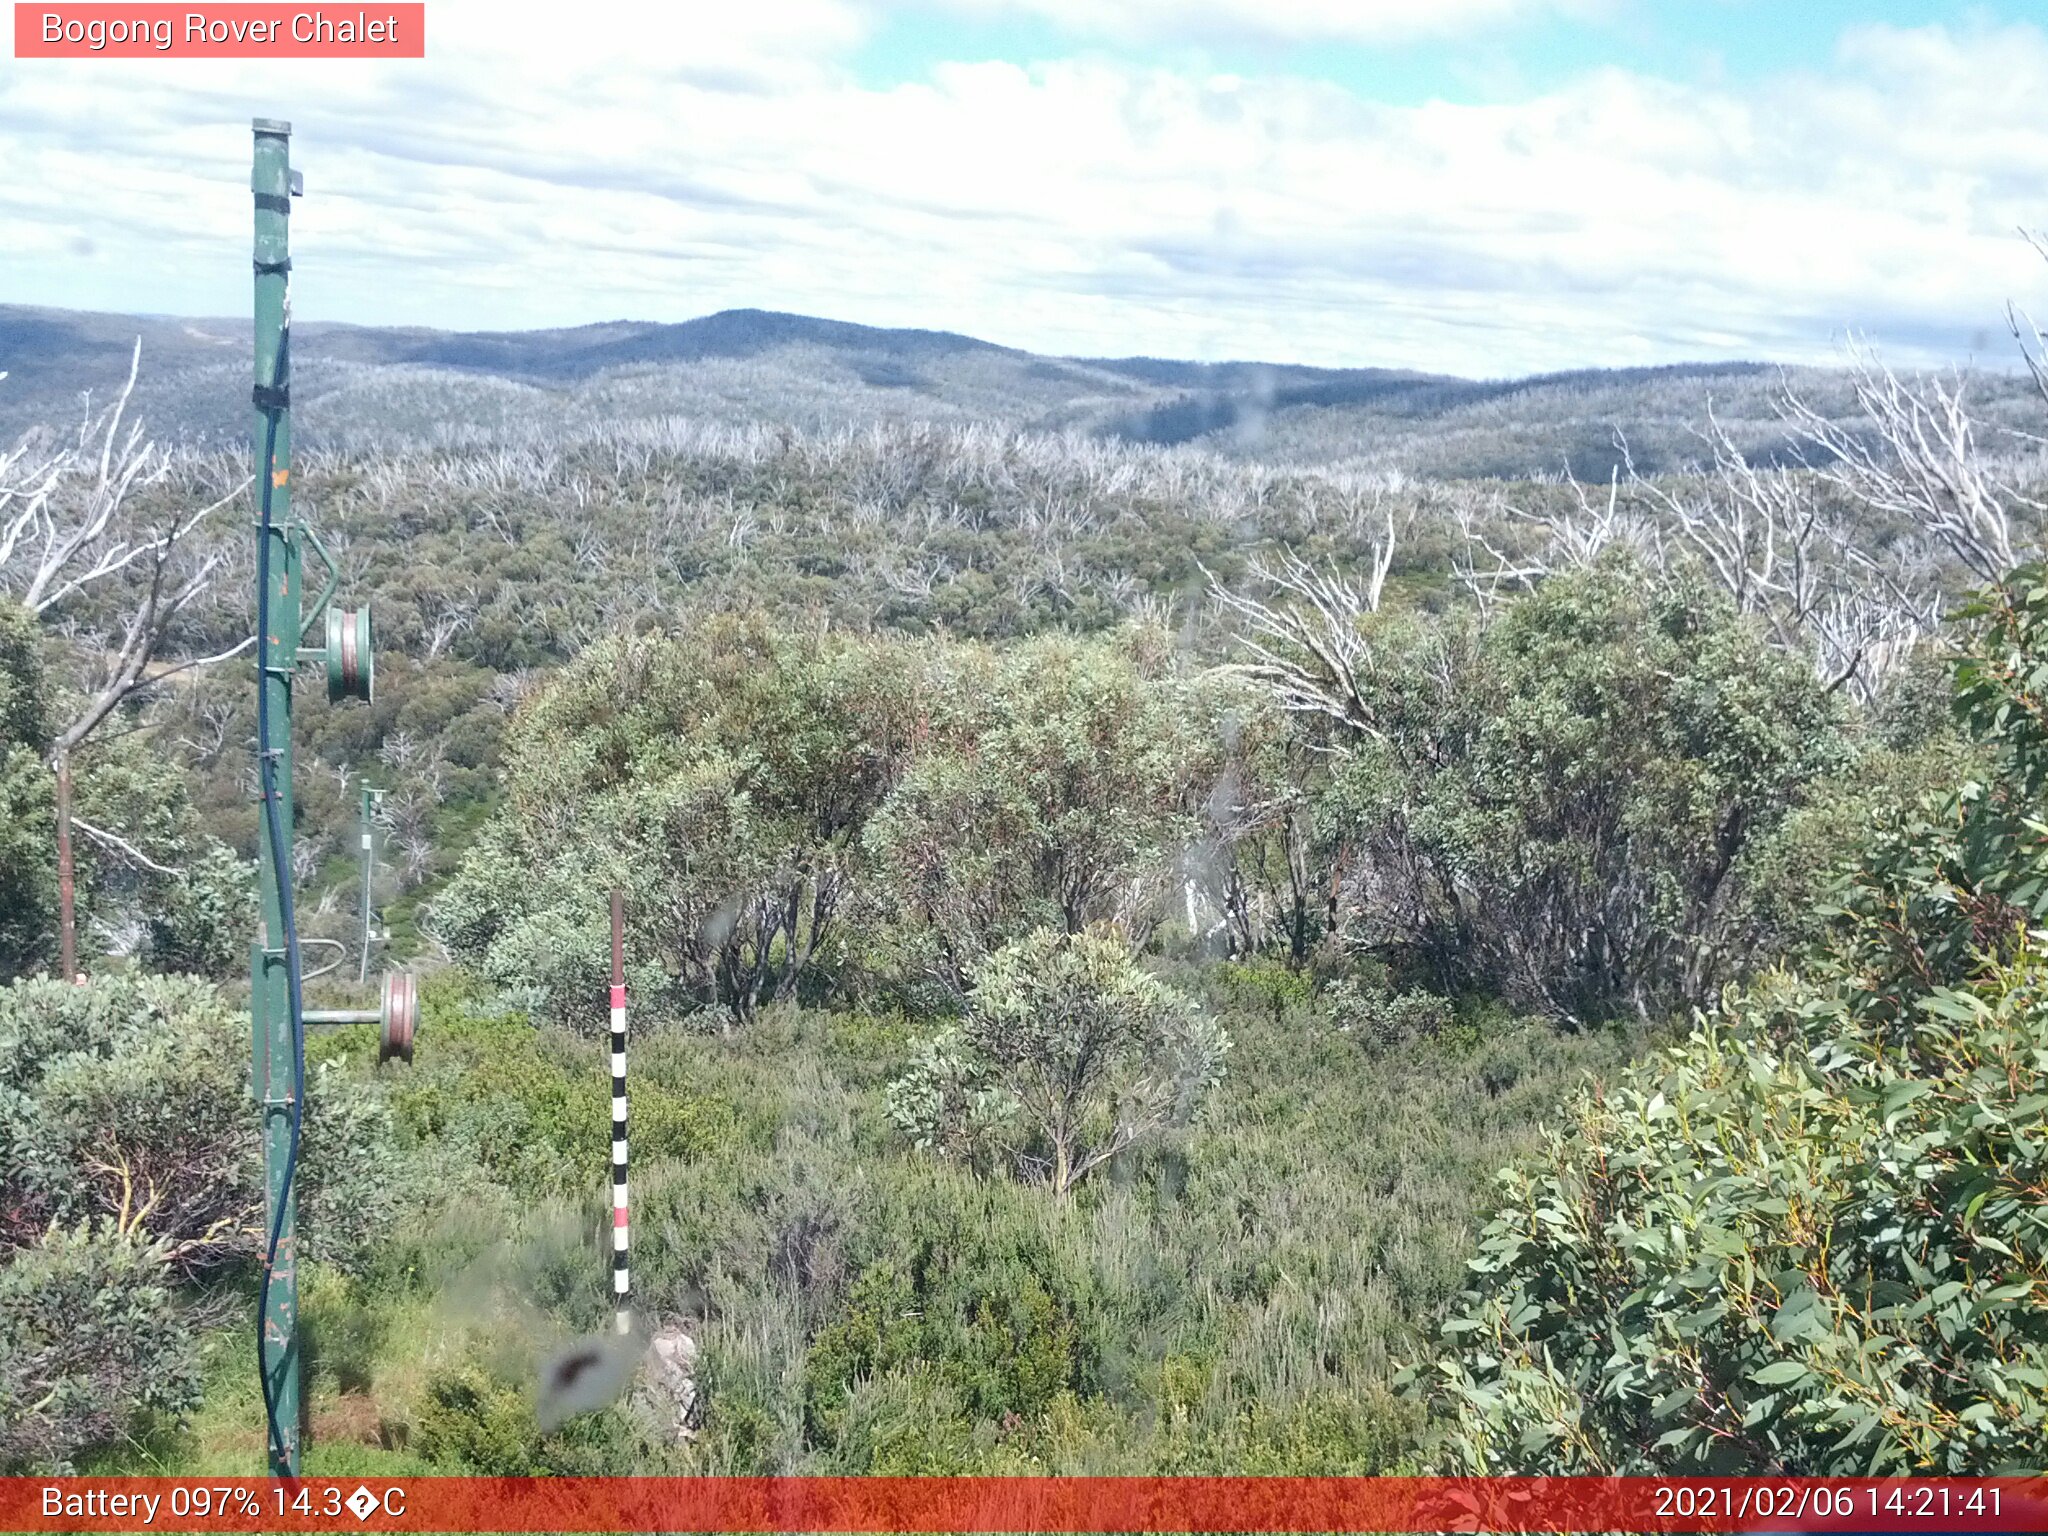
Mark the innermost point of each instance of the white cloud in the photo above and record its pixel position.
(1083, 206)
(1290, 21)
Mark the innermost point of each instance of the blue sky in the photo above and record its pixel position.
(1485, 187)
(1712, 40)
(1683, 40)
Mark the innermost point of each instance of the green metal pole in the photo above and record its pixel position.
(271, 995)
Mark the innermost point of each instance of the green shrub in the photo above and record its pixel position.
(131, 1102)
(202, 924)
(1052, 785)
(993, 1319)
(42, 1020)
(1382, 1020)
(92, 1343)
(531, 1108)
(951, 1101)
(1556, 806)
(1068, 1036)
(198, 919)
(1787, 1247)
(28, 864)
(909, 1421)
(129, 1098)
(477, 1415)
(1329, 1434)
(1266, 983)
(357, 1182)
(468, 1421)
(723, 775)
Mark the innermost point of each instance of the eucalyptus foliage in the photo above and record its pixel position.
(1557, 806)
(1813, 1238)
(191, 912)
(28, 866)
(1060, 784)
(127, 1100)
(722, 776)
(130, 1166)
(784, 806)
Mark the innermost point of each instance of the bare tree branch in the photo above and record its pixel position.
(1310, 647)
(122, 846)
(73, 528)
(1923, 465)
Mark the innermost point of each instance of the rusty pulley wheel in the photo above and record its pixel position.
(351, 668)
(401, 1015)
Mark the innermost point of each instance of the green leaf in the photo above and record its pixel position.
(1781, 1373)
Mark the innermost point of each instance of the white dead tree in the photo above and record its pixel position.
(1573, 540)
(1307, 643)
(73, 533)
(209, 726)
(1785, 553)
(2033, 345)
(446, 612)
(1918, 461)
(1775, 540)
(1759, 532)
(1862, 638)
(1488, 581)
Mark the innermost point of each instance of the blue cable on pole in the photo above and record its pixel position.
(266, 760)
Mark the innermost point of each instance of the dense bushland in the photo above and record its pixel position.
(1232, 1292)
(1812, 1237)
(811, 809)
(186, 906)
(518, 559)
(913, 1052)
(1564, 806)
(1099, 919)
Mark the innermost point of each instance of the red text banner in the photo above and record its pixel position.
(104, 31)
(1938, 1507)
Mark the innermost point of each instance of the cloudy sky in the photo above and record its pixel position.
(1484, 187)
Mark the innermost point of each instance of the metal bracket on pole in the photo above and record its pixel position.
(333, 581)
(396, 1017)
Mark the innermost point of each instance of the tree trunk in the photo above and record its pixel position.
(1333, 910)
(1062, 1150)
(67, 915)
(1295, 846)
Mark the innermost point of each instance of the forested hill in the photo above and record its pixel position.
(362, 386)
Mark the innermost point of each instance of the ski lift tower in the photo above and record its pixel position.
(278, 1016)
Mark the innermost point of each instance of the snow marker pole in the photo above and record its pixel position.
(621, 1284)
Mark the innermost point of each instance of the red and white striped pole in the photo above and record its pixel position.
(621, 1284)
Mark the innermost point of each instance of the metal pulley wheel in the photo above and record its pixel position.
(400, 1015)
(351, 669)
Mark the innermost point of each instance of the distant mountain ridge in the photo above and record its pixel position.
(579, 351)
(363, 385)
(188, 364)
